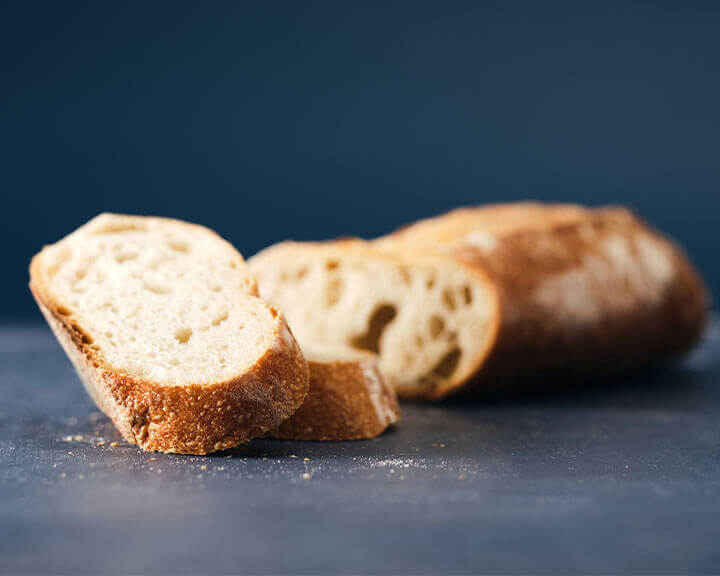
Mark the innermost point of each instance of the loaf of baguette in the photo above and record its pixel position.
(480, 298)
(349, 399)
(165, 328)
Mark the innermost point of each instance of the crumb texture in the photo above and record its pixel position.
(427, 319)
(157, 299)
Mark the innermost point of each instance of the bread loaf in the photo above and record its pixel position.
(481, 297)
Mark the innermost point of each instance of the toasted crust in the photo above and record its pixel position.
(580, 290)
(348, 400)
(187, 419)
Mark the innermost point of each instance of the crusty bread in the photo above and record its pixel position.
(164, 325)
(479, 297)
(348, 399)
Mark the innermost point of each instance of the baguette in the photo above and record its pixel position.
(480, 298)
(164, 325)
(349, 399)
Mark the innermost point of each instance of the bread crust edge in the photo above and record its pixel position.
(186, 419)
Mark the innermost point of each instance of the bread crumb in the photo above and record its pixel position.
(203, 467)
(78, 438)
(101, 443)
(153, 459)
(113, 444)
(307, 476)
(462, 477)
(70, 453)
(63, 475)
(306, 459)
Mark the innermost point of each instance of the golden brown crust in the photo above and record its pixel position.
(347, 400)
(586, 290)
(192, 419)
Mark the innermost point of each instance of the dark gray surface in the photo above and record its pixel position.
(623, 476)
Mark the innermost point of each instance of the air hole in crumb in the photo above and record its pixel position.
(125, 257)
(300, 274)
(182, 335)
(467, 294)
(443, 369)
(174, 361)
(216, 287)
(332, 264)
(405, 275)
(430, 283)
(155, 287)
(233, 264)
(80, 273)
(437, 325)
(179, 245)
(108, 334)
(222, 360)
(84, 336)
(449, 299)
(333, 291)
(378, 322)
(220, 318)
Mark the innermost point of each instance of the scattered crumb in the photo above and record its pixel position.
(70, 453)
(203, 467)
(113, 444)
(293, 456)
(402, 477)
(101, 443)
(78, 438)
(307, 476)
(306, 459)
(153, 459)
(67, 438)
(392, 470)
(462, 477)
(627, 466)
(81, 477)
(63, 475)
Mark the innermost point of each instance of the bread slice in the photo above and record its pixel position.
(349, 399)
(481, 297)
(164, 325)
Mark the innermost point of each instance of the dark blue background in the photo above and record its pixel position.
(270, 120)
